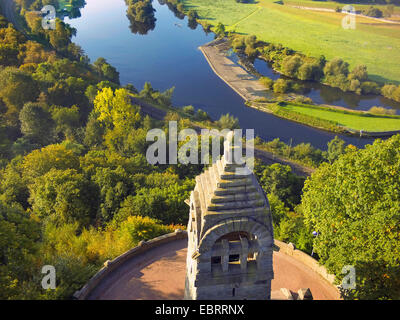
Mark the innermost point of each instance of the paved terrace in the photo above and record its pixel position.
(159, 274)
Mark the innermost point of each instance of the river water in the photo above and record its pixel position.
(168, 56)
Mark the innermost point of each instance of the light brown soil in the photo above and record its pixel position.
(245, 84)
(160, 274)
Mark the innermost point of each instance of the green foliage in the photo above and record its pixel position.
(267, 82)
(18, 246)
(279, 180)
(373, 12)
(219, 30)
(336, 147)
(37, 124)
(17, 88)
(226, 121)
(303, 153)
(64, 196)
(353, 204)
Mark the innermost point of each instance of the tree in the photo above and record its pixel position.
(39, 162)
(115, 109)
(220, 30)
(353, 205)
(18, 237)
(227, 121)
(282, 85)
(360, 73)
(336, 147)
(66, 120)
(279, 180)
(17, 87)
(64, 196)
(290, 65)
(37, 124)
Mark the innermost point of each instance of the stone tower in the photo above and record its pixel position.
(230, 236)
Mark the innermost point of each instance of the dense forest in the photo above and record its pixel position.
(76, 188)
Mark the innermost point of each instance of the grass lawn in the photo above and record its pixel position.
(334, 5)
(350, 120)
(65, 4)
(373, 43)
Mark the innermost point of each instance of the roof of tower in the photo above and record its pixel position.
(226, 190)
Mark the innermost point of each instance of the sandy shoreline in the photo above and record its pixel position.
(243, 83)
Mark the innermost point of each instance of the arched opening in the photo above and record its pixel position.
(235, 252)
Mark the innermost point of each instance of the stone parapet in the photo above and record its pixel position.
(110, 266)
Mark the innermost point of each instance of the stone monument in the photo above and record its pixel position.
(230, 235)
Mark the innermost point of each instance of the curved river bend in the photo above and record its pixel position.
(168, 56)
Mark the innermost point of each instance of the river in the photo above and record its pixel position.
(168, 56)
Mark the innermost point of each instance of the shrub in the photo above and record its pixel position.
(267, 82)
(373, 12)
(282, 85)
(381, 110)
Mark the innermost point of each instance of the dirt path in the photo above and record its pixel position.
(355, 14)
(245, 18)
(160, 275)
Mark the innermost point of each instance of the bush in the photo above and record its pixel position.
(267, 82)
(381, 110)
(282, 85)
(369, 87)
(373, 12)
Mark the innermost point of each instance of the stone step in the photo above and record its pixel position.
(234, 190)
(227, 175)
(250, 204)
(242, 211)
(235, 183)
(230, 167)
(236, 197)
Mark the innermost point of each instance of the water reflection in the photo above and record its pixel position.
(169, 56)
(141, 17)
(322, 94)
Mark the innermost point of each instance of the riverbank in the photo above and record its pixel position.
(241, 81)
(306, 30)
(333, 119)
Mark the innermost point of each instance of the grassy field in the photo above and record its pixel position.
(352, 120)
(334, 4)
(373, 43)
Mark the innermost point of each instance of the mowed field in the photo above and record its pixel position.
(349, 119)
(373, 43)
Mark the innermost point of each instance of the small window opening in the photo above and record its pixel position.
(215, 260)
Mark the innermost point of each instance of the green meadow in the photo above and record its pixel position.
(373, 43)
(352, 120)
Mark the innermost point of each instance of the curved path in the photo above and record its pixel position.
(159, 274)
